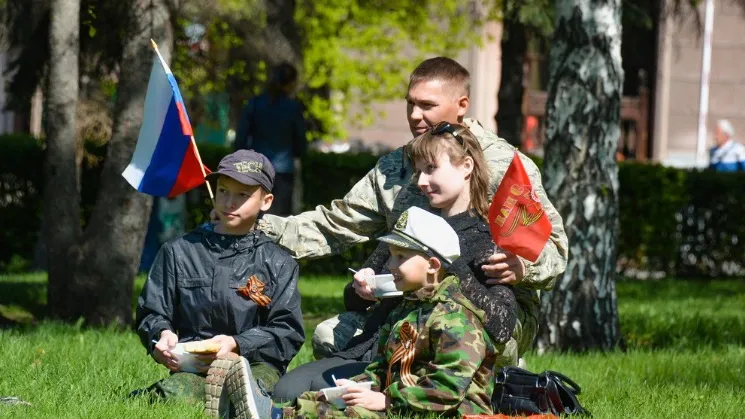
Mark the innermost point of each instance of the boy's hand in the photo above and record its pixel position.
(360, 284)
(371, 400)
(343, 382)
(504, 268)
(161, 351)
(227, 345)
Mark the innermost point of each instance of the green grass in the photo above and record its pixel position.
(686, 356)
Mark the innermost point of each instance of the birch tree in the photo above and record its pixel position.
(581, 175)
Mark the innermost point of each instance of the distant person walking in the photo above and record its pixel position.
(272, 123)
(728, 155)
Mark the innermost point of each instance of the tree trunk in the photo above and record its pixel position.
(62, 189)
(583, 128)
(113, 241)
(510, 113)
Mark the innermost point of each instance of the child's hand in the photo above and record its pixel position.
(343, 382)
(227, 345)
(371, 400)
(161, 351)
(360, 284)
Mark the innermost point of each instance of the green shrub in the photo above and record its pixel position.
(21, 180)
(685, 223)
(650, 197)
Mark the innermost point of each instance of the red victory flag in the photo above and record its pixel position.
(517, 220)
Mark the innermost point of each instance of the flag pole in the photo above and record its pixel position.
(193, 142)
(201, 166)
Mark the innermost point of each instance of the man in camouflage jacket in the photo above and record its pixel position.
(438, 91)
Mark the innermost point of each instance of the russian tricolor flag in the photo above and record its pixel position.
(166, 161)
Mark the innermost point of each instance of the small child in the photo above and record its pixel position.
(434, 355)
(226, 284)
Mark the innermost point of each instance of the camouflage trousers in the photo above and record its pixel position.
(332, 334)
(312, 404)
(189, 387)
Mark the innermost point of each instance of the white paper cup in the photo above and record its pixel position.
(187, 362)
(383, 286)
(333, 394)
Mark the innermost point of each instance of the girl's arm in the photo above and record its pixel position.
(497, 301)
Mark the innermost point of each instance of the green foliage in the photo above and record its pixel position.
(536, 15)
(363, 51)
(352, 51)
(219, 66)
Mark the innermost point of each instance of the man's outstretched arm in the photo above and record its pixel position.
(354, 219)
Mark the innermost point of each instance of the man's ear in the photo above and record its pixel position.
(266, 201)
(434, 265)
(463, 103)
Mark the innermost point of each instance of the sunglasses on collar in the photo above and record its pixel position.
(444, 127)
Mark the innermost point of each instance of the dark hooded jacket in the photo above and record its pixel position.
(193, 290)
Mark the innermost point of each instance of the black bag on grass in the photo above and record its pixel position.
(518, 391)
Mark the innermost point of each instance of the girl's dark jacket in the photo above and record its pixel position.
(193, 290)
(476, 245)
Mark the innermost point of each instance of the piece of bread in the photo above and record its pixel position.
(202, 347)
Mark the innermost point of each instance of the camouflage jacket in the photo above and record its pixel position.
(434, 354)
(376, 201)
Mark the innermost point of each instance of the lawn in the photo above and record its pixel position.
(686, 355)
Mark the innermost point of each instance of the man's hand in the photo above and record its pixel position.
(360, 284)
(214, 218)
(371, 400)
(161, 351)
(504, 268)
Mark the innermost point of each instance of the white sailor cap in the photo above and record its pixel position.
(420, 230)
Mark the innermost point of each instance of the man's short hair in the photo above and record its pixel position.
(726, 127)
(444, 69)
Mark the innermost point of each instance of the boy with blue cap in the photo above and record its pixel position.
(226, 285)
